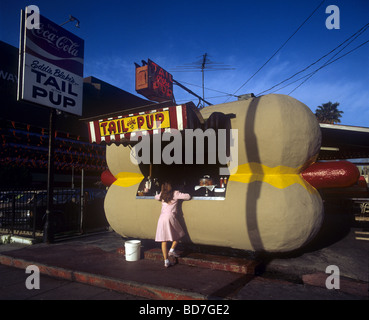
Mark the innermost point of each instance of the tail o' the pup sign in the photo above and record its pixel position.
(50, 65)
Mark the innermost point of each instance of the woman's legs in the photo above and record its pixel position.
(174, 244)
(164, 249)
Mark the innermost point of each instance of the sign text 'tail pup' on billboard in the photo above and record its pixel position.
(50, 66)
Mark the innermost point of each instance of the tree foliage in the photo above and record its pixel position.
(328, 113)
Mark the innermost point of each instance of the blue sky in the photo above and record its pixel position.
(241, 34)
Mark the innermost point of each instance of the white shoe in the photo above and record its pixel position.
(167, 263)
(173, 254)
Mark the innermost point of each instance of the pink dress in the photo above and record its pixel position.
(169, 228)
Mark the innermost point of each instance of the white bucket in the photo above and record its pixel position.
(132, 250)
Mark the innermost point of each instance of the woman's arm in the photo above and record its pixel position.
(182, 196)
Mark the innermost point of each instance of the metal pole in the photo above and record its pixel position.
(191, 92)
(203, 91)
(48, 227)
(203, 80)
(13, 214)
(83, 201)
(72, 177)
(34, 215)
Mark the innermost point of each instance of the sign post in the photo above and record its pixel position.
(50, 74)
(49, 223)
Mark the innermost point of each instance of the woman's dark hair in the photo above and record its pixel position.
(166, 192)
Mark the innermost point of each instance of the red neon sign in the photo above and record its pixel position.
(154, 83)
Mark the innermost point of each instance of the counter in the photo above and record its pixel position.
(192, 198)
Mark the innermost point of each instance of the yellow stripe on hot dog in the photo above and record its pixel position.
(128, 179)
(279, 177)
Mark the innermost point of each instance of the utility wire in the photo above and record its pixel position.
(195, 85)
(309, 75)
(327, 62)
(280, 48)
(323, 66)
(355, 35)
(208, 98)
(202, 65)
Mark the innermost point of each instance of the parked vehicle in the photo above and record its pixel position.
(26, 210)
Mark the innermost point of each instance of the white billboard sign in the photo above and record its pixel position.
(50, 66)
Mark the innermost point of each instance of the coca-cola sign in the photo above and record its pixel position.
(56, 45)
(51, 66)
(64, 43)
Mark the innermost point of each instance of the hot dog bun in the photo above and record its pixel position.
(268, 205)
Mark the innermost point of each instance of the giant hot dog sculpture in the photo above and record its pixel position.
(269, 205)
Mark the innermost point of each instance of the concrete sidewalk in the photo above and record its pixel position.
(13, 287)
(98, 260)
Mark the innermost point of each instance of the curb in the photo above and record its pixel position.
(208, 261)
(350, 286)
(131, 287)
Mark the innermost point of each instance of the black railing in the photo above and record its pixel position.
(73, 211)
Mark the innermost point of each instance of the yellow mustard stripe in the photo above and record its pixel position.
(279, 177)
(128, 179)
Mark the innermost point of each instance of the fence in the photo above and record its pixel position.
(73, 211)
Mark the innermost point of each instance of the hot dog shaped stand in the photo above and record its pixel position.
(261, 202)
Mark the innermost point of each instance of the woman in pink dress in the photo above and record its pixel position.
(169, 228)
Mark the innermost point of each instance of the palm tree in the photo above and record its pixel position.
(328, 113)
